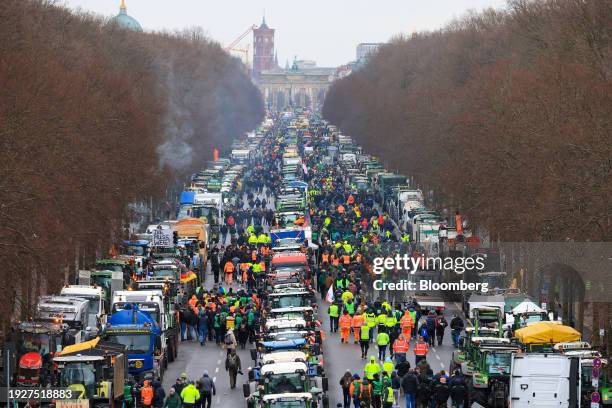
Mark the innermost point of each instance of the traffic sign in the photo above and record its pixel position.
(595, 397)
(597, 362)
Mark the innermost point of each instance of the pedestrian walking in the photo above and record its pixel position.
(420, 351)
(345, 383)
(456, 326)
(207, 391)
(410, 385)
(146, 394)
(233, 367)
(382, 340)
(190, 395)
(173, 400)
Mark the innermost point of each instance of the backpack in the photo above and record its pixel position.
(228, 339)
(232, 361)
(357, 389)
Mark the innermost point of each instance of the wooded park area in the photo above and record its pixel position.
(505, 115)
(94, 117)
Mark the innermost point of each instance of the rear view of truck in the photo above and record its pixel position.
(544, 380)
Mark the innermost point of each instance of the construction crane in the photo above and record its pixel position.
(240, 38)
(244, 51)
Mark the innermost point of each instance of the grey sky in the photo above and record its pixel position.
(326, 31)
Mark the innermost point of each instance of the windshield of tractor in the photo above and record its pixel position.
(109, 267)
(103, 281)
(137, 343)
(498, 363)
(164, 272)
(36, 342)
(80, 377)
(288, 404)
(285, 383)
(289, 301)
(135, 250)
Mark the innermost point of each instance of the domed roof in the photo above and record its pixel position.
(125, 21)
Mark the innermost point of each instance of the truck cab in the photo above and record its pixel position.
(98, 305)
(139, 333)
(71, 311)
(160, 307)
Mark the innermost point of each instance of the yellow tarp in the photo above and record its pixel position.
(86, 345)
(547, 333)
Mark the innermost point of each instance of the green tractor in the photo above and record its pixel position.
(491, 372)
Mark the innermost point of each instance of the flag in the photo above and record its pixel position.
(329, 298)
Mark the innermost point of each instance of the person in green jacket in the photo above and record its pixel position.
(173, 400)
(377, 389)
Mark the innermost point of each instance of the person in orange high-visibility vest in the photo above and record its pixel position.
(335, 260)
(146, 394)
(358, 321)
(345, 323)
(341, 209)
(325, 258)
(229, 271)
(407, 324)
(401, 345)
(346, 259)
(420, 350)
(350, 200)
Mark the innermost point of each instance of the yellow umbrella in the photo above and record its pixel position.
(547, 333)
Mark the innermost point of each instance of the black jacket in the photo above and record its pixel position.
(456, 323)
(410, 383)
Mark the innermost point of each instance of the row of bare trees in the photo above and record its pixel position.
(506, 115)
(94, 117)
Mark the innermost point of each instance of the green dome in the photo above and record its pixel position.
(125, 21)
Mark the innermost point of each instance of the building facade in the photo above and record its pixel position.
(364, 50)
(301, 85)
(295, 87)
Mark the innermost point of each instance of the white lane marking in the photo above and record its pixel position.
(217, 370)
(437, 356)
(214, 379)
(219, 361)
(442, 365)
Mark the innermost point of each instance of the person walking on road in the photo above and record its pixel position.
(382, 340)
(230, 342)
(441, 325)
(410, 385)
(458, 390)
(345, 323)
(233, 367)
(190, 395)
(401, 345)
(334, 314)
(208, 390)
(371, 368)
(345, 384)
(355, 390)
(173, 400)
(456, 326)
(364, 340)
(146, 394)
(420, 351)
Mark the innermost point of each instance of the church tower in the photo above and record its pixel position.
(263, 47)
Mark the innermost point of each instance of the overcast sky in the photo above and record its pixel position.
(326, 31)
